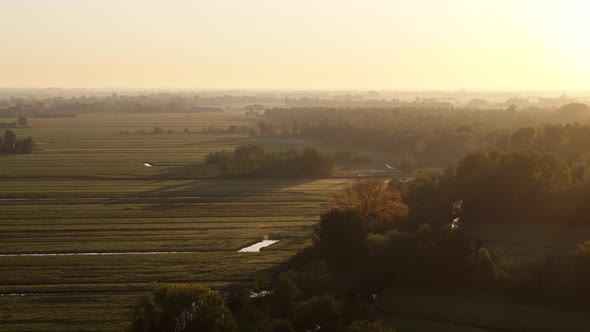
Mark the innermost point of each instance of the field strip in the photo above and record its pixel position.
(113, 253)
(520, 244)
(450, 321)
(146, 197)
(150, 228)
(98, 253)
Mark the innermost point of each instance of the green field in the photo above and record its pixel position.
(413, 309)
(87, 191)
(515, 239)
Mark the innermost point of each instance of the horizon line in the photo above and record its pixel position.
(497, 90)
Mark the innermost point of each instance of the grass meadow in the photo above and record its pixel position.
(87, 191)
(414, 309)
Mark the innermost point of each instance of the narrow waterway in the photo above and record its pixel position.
(257, 246)
(97, 253)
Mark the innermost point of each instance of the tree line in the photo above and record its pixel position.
(525, 186)
(252, 161)
(10, 144)
(433, 137)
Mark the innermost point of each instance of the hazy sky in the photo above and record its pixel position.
(311, 44)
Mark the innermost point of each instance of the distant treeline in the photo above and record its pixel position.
(204, 130)
(10, 144)
(152, 103)
(351, 101)
(435, 137)
(44, 106)
(251, 161)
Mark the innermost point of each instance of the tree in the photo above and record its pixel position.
(319, 313)
(22, 121)
(496, 185)
(367, 326)
(429, 196)
(278, 325)
(315, 164)
(264, 129)
(252, 161)
(284, 295)
(523, 138)
(582, 265)
(25, 145)
(485, 269)
(315, 279)
(574, 109)
(502, 141)
(375, 201)
(340, 233)
(476, 184)
(8, 142)
(407, 163)
(531, 172)
(553, 136)
(182, 308)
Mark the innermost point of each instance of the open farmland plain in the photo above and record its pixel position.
(86, 228)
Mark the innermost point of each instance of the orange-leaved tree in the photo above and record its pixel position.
(381, 205)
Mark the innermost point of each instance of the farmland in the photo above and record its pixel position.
(87, 191)
(86, 228)
(424, 309)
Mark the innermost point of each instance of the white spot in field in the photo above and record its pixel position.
(148, 164)
(257, 246)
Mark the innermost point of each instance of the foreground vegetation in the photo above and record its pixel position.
(362, 246)
(369, 242)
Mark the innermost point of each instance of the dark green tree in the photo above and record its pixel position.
(321, 313)
(284, 295)
(22, 121)
(25, 145)
(8, 142)
(523, 138)
(277, 325)
(368, 326)
(340, 236)
(182, 308)
(407, 163)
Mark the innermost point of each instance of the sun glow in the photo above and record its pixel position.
(423, 44)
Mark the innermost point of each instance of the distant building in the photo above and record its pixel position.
(7, 124)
